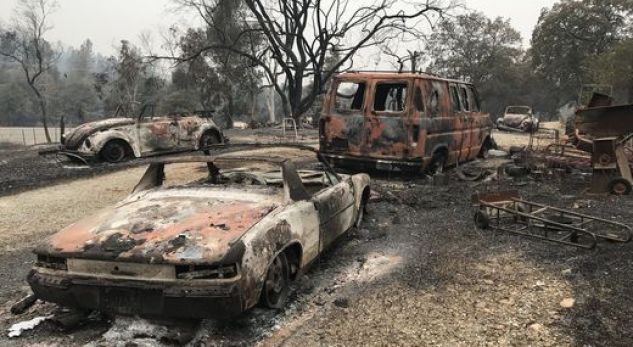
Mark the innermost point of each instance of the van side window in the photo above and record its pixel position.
(474, 100)
(418, 100)
(350, 96)
(455, 99)
(464, 99)
(390, 97)
(435, 102)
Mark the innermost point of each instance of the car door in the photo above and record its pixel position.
(188, 127)
(158, 134)
(335, 207)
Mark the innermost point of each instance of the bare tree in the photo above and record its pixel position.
(23, 42)
(300, 35)
(412, 57)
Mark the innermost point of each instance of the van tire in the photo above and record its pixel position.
(488, 144)
(438, 163)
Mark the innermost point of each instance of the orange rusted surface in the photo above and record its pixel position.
(203, 225)
(406, 118)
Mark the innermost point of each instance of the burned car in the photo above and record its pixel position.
(117, 139)
(518, 118)
(212, 246)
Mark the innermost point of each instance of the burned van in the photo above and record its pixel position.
(402, 122)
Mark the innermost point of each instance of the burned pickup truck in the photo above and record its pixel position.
(202, 236)
(117, 139)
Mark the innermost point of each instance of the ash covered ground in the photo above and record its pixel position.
(417, 273)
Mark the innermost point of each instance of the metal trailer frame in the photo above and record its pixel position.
(507, 211)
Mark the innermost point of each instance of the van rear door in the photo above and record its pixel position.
(341, 129)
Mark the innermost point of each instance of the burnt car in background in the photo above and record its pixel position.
(117, 139)
(212, 246)
(518, 118)
(402, 122)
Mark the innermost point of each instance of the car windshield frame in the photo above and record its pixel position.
(292, 184)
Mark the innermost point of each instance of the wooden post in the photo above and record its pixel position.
(23, 138)
(34, 140)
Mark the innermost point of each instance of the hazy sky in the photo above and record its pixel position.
(106, 22)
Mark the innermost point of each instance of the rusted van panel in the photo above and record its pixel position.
(399, 121)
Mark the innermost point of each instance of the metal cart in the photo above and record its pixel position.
(507, 211)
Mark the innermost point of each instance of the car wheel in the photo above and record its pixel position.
(114, 152)
(275, 291)
(208, 139)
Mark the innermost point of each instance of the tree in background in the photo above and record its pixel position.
(614, 67)
(485, 52)
(24, 43)
(570, 33)
(75, 96)
(299, 34)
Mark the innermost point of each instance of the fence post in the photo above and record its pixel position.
(23, 138)
(34, 139)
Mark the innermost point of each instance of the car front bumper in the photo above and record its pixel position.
(173, 299)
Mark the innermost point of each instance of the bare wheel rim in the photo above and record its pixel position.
(619, 188)
(275, 288)
(114, 153)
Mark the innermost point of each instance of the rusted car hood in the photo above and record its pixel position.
(74, 138)
(192, 225)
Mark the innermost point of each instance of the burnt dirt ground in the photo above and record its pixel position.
(417, 273)
(22, 168)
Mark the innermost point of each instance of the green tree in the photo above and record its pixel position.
(483, 51)
(614, 67)
(571, 32)
(24, 43)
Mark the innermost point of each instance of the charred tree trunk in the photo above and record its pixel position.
(41, 101)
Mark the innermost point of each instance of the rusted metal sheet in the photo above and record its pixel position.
(401, 120)
(609, 121)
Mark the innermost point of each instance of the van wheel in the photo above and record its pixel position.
(438, 163)
(276, 283)
(487, 145)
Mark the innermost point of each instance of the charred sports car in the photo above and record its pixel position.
(213, 247)
(117, 139)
